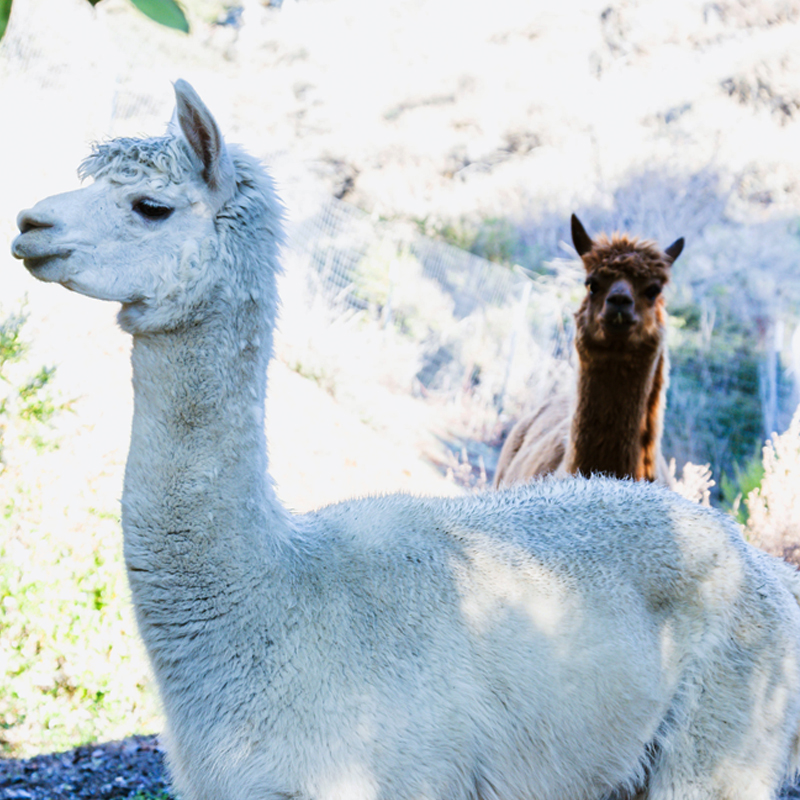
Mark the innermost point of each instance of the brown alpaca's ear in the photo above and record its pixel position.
(583, 244)
(675, 249)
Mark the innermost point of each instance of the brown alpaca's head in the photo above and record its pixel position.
(623, 308)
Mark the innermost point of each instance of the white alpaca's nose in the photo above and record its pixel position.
(29, 219)
(39, 238)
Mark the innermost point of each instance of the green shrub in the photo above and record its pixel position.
(495, 238)
(714, 413)
(66, 638)
(28, 400)
(71, 666)
(745, 479)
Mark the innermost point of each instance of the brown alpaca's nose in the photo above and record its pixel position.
(28, 221)
(619, 305)
(620, 300)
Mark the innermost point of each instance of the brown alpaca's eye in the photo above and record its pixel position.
(150, 209)
(652, 291)
(592, 285)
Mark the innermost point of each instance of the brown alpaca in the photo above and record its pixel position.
(615, 427)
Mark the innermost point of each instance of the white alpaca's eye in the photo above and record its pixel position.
(150, 209)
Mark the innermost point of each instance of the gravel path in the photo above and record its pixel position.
(128, 768)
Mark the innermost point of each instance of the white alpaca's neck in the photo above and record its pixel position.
(199, 513)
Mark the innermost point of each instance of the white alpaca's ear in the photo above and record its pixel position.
(200, 129)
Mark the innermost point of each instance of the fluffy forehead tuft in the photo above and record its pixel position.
(131, 160)
(627, 257)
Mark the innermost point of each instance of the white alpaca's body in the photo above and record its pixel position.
(563, 641)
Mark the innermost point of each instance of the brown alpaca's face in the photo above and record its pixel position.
(622, 308)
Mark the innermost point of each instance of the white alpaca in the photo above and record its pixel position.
(562, 641)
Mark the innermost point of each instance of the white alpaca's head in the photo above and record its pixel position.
(170, 226)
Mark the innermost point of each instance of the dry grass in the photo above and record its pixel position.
(774, 507)
(695, 483)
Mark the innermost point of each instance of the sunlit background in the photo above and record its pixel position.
(430, 154)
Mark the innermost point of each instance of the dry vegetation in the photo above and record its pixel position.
(773, 508)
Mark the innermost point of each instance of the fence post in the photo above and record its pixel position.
(795, 366)
(769, 391)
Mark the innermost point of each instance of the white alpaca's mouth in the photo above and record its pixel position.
(35, 263)
(36, 255)
(47, 268)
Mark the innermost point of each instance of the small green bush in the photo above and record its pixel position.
(714, 411)
(29, 401)
(496, 239)
(745, 479)
(71, 666)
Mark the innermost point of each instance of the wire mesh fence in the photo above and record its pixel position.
(499, 332)
(474, 321)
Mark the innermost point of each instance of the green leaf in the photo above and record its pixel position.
(165, 12)
(93, 3)
(5, 13)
